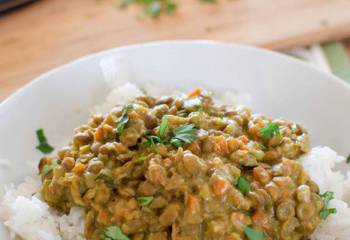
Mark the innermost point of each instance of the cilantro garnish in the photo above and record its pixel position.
(253, 234)
(243, 184)
(152, 8)
(114, 233)
(348, 159)
(325, 211)
(183, 134)
(270, 130)
(124, 118)
(163, 128)
(180, 135)
(141, 159)
(145, 201)
(152, 141)
(48, 168)
(43, 146)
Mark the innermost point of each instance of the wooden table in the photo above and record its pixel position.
(48, 33)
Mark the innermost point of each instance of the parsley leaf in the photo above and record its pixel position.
(243, 184)
(170, 6)
(114, 233)
(43, 146)
(152, 141)
(183, 134)
(348, 159)
(253, 234)
(270, 130)
(176, 142)
(124, 118)
(145, 201)
(141, 159)
(153, 8)
(325, 211)
(164, 126)
(125, 3)
(122, 121)
(48, 168)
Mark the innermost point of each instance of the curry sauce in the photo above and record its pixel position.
(185, 168)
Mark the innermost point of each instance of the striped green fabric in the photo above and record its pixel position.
(338, 59)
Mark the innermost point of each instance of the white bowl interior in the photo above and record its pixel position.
(280, 87)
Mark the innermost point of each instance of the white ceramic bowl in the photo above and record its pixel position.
(280, 86)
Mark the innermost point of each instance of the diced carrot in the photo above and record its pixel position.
(261, 174)
(243, 147)
(119, 212)
(193, 203)
(196, 92)
(109, 119)
(79, 168)
(223, 146)
(103, 217)
(98, 135)
(233, 144)
(254, 130)
(220, 186)
(244, 139)
(261, 220)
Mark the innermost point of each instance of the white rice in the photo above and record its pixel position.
(321, 163)
(25, 215)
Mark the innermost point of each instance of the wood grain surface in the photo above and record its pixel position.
(48, 33)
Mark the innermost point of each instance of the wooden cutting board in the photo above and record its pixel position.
(48, 33)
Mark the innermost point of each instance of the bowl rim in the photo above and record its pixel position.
(41, 77)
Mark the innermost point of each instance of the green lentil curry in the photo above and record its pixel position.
(185, 168)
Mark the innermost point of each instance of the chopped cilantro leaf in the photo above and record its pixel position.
(43, 146)
(48, 168)
(145, 201)
(125, 3)
(325, 211)
(183, 134)
(163, 128)
(270, 130)
(153, 8)
(122, 121)
(151, 141)
(243, 184)
(114, 233)
(176, 142)
(124, 118)
(141, 159)
(253, 234)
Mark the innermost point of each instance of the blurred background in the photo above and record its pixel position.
(36, 36)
